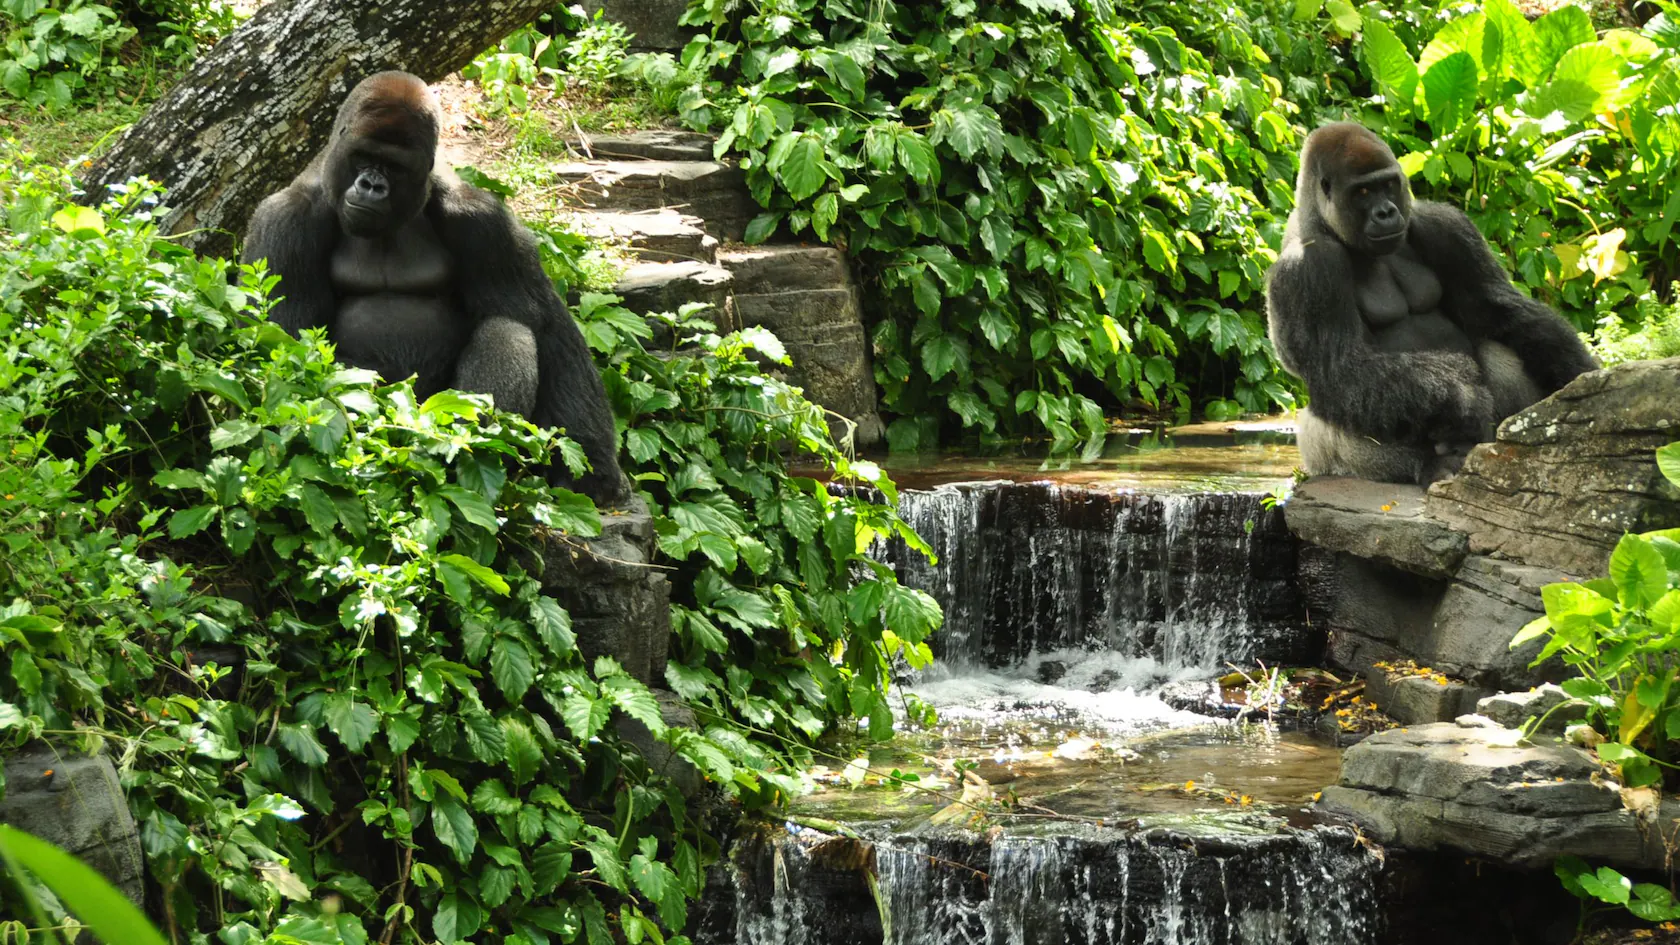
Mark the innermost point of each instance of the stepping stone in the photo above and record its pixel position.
(779, 268)
(652, 287)
(713, 191)
(656, 236)
(657, 145)
(1383, 521)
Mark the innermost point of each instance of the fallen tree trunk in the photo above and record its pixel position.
(254, 110)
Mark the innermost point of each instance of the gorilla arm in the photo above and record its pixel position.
(500, 280)
(1482, 300)
(295, 230)
(1319, 334)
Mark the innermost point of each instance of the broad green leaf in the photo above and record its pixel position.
(79, 221)
(472, 506)
(803, 172)
(299, 739)
(1668, 461)
(916, 156)
(482, 576)
(551, 863)
(1580, 86)
(584, 716)
(553, 625)
(1449, 91)
(188, 522)
(1390, 64)
(454, 827)
(944, 354)
(1558, 32)
(524, 758)
(1520, 48)
(1640, 573)
(87, 894)
(636, 701)
(761, 228)
(972, 129)
(352, 721)
(511, 667)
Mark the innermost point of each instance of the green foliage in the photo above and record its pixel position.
(94, 901)
(1060, 209)
(412, 748)
(583, 60)
(1621, 635)
(1653, 332)
(54, 49)
(1648, 901)
(1560, 143)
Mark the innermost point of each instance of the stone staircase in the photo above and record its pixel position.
(682, 215)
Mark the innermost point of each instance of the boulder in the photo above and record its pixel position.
(1568, 476)
(823, 332)
(1478, 788)
(1378, 521)
(619, 603)
(1548, 702)
(1416, 700)
(654, 287)
(75, 802)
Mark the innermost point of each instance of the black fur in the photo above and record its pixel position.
(492, 276)
(1397, 409)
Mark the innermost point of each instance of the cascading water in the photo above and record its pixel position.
(1192, 580)
(1092, 887)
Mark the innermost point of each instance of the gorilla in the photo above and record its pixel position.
(414, 272)
(1411, 339)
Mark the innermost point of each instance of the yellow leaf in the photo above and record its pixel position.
(1569, 261)
(1603, 254)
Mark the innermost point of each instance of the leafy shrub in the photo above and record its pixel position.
(1060, 208)
(1560, 143)
(576, 56)
(1652, 333)
(54, 49)
(412, 744)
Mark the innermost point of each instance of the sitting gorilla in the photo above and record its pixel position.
(417, 273)
(1412, 340)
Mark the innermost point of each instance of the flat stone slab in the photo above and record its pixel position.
(654, 235)
(782, 268)
(656, 145)
(667, 286)
(1375, 520)
(1476, 787)
(1419, 700)
(711, 190)
(1514, 709)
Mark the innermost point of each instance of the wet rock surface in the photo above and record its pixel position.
(1478, 788)
(619, 603)
(1568, 476)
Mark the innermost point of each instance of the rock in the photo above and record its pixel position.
(652, 287)
(1514, 709)
(710, 190)
(75, 802)
(1568, 476)
(1051, 671)
(1481, 790)
(657, 145)
(661, 758)
(761, 270)
(1378, 521)
(1416, 700)
(654, 235)
(653, 24)
(823, 332)
(619, 604)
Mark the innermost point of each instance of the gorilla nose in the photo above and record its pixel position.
(1387, 213)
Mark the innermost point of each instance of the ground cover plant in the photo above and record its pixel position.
(301, 610)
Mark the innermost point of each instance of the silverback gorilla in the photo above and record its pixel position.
(417, 273)
(1411, 339)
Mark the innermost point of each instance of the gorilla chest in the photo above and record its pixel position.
(396, 308)
(1390, 288)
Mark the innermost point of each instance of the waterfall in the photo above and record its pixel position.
(1192, 580)
(1306, 887)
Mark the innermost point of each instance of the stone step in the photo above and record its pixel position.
(656, 145)
(778, 268)
(824, 335)
(654, 236)
(713, 191)
(652, 287)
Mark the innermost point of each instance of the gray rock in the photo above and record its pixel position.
(653, 24)
(619, 604)
(1514, 709)
(1378, 521)
(823, 332)
(1417, 700)
(1568, 476)
(75, 802)
(780, 268)
(1482, 790)
(654, 235)
(712, 191)
(660, 756)
(656, 145)
(653, 287)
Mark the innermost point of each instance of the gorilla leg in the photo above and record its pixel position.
(1328, 450)
(1512, 387)
(501, 360)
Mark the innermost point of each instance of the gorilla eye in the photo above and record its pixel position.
(1364, 191)
(1325, 183)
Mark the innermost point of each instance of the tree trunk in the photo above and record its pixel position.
(255, 109)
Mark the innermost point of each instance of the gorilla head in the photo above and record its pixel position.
(1357, 188)
(379, 163)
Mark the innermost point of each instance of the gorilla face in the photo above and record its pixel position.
(1370, 212)
(381, 187)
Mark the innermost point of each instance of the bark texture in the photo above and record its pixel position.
(256, 108)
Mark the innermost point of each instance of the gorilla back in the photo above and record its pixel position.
(417, 273)
(1411, 339)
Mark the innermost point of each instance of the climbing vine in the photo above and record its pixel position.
(1062, 210)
